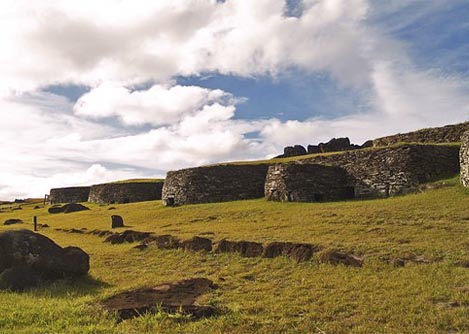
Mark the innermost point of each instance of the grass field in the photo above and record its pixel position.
(258, 295)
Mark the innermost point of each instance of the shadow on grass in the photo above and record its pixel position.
(69, 288)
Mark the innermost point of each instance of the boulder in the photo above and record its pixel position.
(166, 241)
(117, 221)
(337, 145)
(19, 278)
(127, 236)
(197, 244)
(12, 221)
(24, 248)
(293, 151)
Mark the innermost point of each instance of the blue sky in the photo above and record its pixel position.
(99, 91)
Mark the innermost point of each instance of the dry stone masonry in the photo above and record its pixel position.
(214, 184)
(390, 171)
(464, 157)
(69, 195)
(128, 192)
(444, 134)
(307, 183)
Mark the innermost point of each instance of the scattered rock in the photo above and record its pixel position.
(16, 209)
(43, 225)
(12, 221)
(20, 248)
(117, 221)
(296, 251)
(36, 207)
(166, 241)
(127, 236)
(112, 208)
(244, 248)
(197, 244)
(171, 297)
(67, 208)
(336, 257)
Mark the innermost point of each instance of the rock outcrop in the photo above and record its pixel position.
(23, 252)
(464, 159)
(67, 208)
(69, 195)
(127, 192)
(214, 184)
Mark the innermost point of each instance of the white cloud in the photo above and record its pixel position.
(113, 46)
(158, 105)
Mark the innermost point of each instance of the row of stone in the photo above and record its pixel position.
(299, 252)
(108, 193)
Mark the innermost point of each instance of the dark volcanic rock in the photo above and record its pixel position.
(12, 221)
(244, 248)
(20, 248)
(67, 208)
(170, 297)
(166, 241)
(293, 151)
(117, 221)
(127, 236)
(296, 251)
(197, 244)
(337, 145)
(19, 278)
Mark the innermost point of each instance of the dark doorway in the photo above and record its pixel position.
(318, 197)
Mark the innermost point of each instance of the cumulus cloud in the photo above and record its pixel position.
(114, 47)
(158, 105)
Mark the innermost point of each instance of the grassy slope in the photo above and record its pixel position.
(268, 295)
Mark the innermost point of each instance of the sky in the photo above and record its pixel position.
(95, 91)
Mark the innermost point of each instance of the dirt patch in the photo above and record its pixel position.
(243, 248)
(174, 297)
(166, 241)
(335, 257)
(296, 251)
(127, 236)
(197, 244)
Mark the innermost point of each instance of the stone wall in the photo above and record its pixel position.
(444, 134)
(129, 192)
(464, 158)
(214, 184)
(307, 183)
(393, 171)
(69, 195)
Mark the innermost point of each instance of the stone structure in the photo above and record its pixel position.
(444, 134)
(293, 151)
(464, 158)
(69, 195)
(307, 183)
(126, 192)
(214, 184)
(389, 171)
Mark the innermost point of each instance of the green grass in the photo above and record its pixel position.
(307, 156)
(137, 181)
(268, 295)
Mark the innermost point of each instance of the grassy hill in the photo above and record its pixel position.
(259, 295)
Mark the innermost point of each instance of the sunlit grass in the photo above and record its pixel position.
(259, 295)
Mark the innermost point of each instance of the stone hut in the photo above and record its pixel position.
(291, 182)
(464, 159)
(125, 192)
(210, 184)
(69, 195)
(390, 171)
